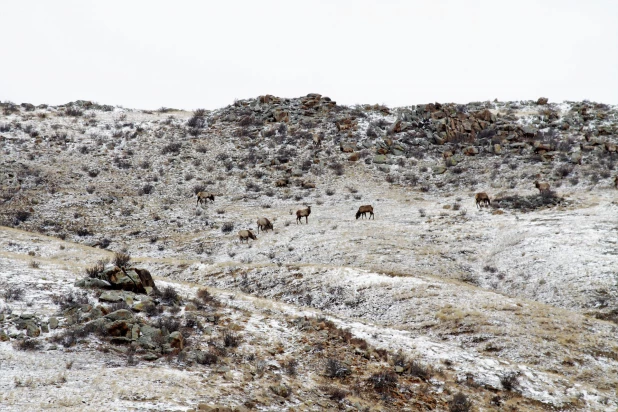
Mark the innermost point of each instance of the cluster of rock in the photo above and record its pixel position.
(26, 325)
(118, 278)
(452, 129)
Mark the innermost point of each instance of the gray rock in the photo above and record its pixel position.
(92, 283)
(529, 130)
(44, 328)
(150, 356)
(438, 170)
(32, 330)
(379, 159)
(497, 149)
(135, 332)
(143, 306)
(111, 296)
(121, 314)
(3, 336)
(576, 158)
(384, 168)
(53, 323)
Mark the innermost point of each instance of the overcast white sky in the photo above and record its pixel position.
(193, 54)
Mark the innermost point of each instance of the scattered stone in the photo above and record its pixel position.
(150, 356)
(438, 170)
(176, 340)
(53, 323)
(121, 314)
(379, 159)
(111, 296)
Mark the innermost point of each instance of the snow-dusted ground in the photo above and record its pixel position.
(483, 293)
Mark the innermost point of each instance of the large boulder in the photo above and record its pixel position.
(134, 280)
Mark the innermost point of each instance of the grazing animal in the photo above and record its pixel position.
(308, 185)
(303, 213)
(246, 235)
(317, 140)
(363, 210)
(282, 182)
(543, 187)
(204, 196)
(482, 200)
(264, 224)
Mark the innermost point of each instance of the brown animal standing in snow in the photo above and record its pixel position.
(543, 187)
(303, 213)
(246, 235)
(204, 196)
(264, 224)
(482, 200)
(363, 210)
(616, 181)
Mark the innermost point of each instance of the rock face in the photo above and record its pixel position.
(133, 280)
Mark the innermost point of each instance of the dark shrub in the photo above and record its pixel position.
(73, 111)
(509, 381)
(207, 358)
(121, 259)
(27, 344)
(13, 293)
(70, 300)
(336, 369)
(170, 295)
(95, 270)
(168, 323)
(563, 171)
(227, 227)
(171, 148)
(383, 381)
(230, 340)
(334, 393)
(459, 403)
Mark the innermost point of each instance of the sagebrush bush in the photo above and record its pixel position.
(121, 259)
(459, 403)
(336, 369)
(383, 381)
(171, 148)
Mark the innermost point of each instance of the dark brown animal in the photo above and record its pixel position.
(303, 213)
(616, 181)
(543, 187)
(482, 200)
(363, 210)
(204, 196)
(246, 235)
(264, 224)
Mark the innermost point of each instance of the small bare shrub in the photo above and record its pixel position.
(227, 227)
(121, 259)
(383, 381)
(27, 344)
(459, 403)
(336, 369)
(231, 340)
(13, 293)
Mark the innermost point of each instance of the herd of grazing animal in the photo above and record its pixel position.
(263, 224)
